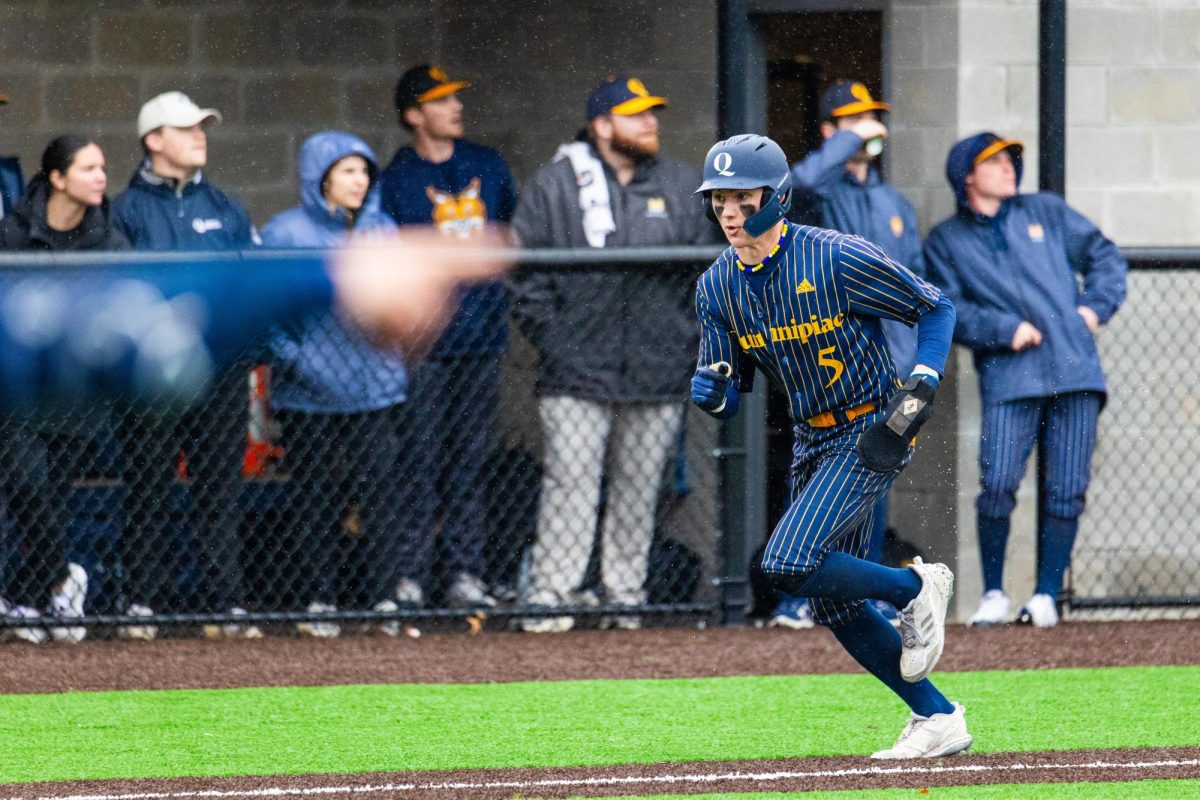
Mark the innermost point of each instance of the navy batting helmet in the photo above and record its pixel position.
(748, 161)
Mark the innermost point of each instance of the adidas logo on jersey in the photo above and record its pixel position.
(805, 287)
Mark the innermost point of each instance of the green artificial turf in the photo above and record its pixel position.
(1132, 790)
(288, 730)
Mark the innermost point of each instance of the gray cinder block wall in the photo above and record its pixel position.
(279, 70)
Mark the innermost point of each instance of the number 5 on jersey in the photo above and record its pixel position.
(825, 359)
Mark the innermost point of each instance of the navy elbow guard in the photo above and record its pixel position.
(884, 446)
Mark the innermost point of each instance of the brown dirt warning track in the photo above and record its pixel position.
(652, 653)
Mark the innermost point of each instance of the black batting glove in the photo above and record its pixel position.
(884, 446)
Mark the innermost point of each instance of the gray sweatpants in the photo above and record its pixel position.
(637, 439)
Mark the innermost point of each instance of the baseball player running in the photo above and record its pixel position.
(804, 305)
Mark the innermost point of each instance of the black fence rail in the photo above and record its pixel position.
(539, 468)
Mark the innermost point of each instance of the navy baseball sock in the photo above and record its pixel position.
(875, 644)
(993, 538)
(1057, 538)
(844, 577)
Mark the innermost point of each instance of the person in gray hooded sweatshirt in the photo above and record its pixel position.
(339, 402)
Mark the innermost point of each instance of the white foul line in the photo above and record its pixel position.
(764, 777)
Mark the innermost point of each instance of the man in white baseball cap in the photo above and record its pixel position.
(170, 205)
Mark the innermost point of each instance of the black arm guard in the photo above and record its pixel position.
(884, 446)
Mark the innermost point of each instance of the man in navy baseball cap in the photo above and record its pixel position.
(622, 96)
(423, 83)
(847, 99)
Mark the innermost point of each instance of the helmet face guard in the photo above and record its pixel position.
(749, 161)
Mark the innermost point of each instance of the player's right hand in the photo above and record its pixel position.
(1026, 336)
(868, 129)
(708, 389)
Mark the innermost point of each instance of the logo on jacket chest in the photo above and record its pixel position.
(656, 208)
(206, 225)
(1037, 233)
(458, 214)
(897, 226)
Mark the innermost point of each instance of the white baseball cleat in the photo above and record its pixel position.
(993, 609)
(931, 737)
(923, 621)
(1040, 612)
(143, 633)
(67, 601)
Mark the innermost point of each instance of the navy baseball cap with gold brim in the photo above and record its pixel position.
(995, 146)
(423, 83)
(623, 96)
(846, 98)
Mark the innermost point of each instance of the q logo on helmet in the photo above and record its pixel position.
(722, 164)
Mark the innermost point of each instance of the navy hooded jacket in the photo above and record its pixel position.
(321, 364)
(1036, 260)
(12, 185)
(161, 214)
(874, 210)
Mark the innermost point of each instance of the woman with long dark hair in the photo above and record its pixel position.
(64, 208)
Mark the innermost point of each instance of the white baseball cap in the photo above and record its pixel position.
(175, 109)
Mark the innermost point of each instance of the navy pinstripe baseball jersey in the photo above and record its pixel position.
(812, 324)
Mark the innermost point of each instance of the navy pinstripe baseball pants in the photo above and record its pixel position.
(834, 498)
(1065, 425)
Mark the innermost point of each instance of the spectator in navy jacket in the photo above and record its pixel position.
(460, 187)
(1033, 280)
(339, 402)
(12, 185)
(64, 209)
(170, 205)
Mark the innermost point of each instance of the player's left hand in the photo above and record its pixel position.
(884, 446)
(1090, 318)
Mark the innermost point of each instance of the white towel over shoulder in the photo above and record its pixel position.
(598, 220)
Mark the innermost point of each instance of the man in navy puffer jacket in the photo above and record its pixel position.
(1012, 264)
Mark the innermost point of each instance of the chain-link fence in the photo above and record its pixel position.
(1139, 544)
(542, 469)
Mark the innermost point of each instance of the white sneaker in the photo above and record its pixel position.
(923, 621)
(32, 635)
(67, 601)
(144, 633)
(409, 594)
(547, 624)
(931, 737)
(235, 630)
(387, 627)
(557, 624)
(792, 612)
(467, 591)
(993, 609)
(1040, 612)
(319, 630)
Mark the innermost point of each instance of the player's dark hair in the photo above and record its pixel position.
(60, 154)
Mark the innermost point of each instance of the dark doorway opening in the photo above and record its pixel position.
(805, 53)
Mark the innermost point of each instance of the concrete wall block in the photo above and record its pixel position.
(907, 30)
(309, 99)
(941, 35)
(1021, 97)
(244, 40)
(1154, 217)
(342, 40)
(999, 34)
(1140, 96)
(1175, 156)
(1108, 157)
(1087, 95)
(369, 101)
(1181, 35)
(78, 100)
(1111, 35)
(144, 39)
(982, 96)
(926, 95)
(1089, 202)
(52, 39)
(26, 101)
(253, 159)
